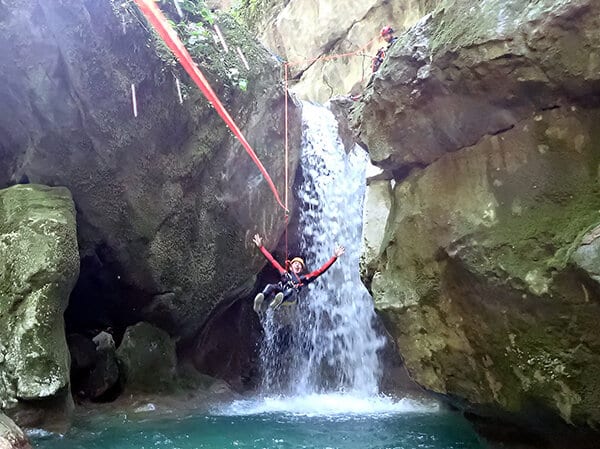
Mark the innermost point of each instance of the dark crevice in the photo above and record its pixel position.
(101, 299)
(498, 131)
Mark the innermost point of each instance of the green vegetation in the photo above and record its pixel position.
(194, 23)
(252, 13)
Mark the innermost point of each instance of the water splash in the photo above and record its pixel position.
(327, 343)
(326, 405)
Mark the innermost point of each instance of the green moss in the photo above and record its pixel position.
(225, 70)
(544, 236)
(461, 24)
(545, 207)
(253, 13)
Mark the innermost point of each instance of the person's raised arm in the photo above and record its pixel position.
(258, 241)
(340, 250)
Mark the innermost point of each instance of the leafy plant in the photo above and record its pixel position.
(193, 21)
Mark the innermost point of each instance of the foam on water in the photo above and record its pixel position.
(325, 405)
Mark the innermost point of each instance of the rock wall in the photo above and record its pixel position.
(166, 201)
(486, 273)
(11, 437)
(299, 31)
(39, 264)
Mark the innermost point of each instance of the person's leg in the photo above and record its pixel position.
(270, 289)
(267, 292)
(288, 295)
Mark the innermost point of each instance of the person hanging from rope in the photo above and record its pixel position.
(292, 279)
(387, 33)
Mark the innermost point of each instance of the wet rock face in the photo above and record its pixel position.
(227, 346)
(166, 201)
(39, 264)
(486, 272)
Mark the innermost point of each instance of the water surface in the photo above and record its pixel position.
(275, 423)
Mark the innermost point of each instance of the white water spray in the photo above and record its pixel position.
(327, 343)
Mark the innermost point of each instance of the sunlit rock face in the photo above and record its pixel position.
(11, 437)
(487, 268)
(166, 201)
(299, 31)
(39, 264)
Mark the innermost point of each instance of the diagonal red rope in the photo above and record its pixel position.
(160, 24)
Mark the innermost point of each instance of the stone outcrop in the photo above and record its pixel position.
(337, 27)
(167, 201)
(39, 264)
(148, 360)
(11, 437)
(105, 372)
(486, 273)
(458, 76)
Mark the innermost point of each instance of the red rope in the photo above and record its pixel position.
(336, 56)
(160, 24)
(286, 145)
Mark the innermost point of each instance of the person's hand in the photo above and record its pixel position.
(258, 241)
(339, 251)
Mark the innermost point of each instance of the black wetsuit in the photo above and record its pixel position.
(291, 283)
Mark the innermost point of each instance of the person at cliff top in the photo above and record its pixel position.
(387, 33)
(292, 279)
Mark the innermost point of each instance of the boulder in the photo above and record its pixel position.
(486, 269)
(105, 373)
(148, 359)
(587, 256)
(464, 72)
(11, 437)
(39, 264)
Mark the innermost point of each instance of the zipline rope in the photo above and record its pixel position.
(336, 56)
(160, 24)
(286, 146)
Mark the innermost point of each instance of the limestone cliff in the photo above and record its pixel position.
(486, 271)
(166, 201)
(11, 437)
(300, 31)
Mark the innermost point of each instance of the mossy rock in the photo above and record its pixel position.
(39, 264)
(485, 282)
(148, 359)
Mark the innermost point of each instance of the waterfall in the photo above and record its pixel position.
(327, 343)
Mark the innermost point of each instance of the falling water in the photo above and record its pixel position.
(327, 343)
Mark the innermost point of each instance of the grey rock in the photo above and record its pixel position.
(39, 264)
(148, 359)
